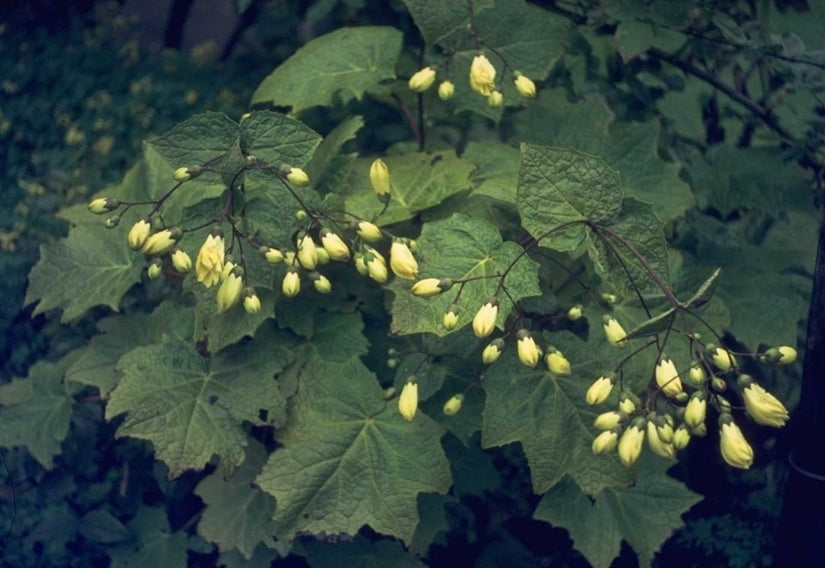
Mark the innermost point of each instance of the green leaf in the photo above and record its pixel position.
(36, 411)
(549, 416)
(497, 169)
(154, 543)
(609, 248)
(461, 247)
(644, 515)
(654, 325)
(345, 63)
(101, 526)
(705, 291)
(263, 558)
(277, 139)
(437, 20)
(559, 186)
(120, 333)
(91, 267)
(729, 28)
(358, 553)
(343, 434)
(192, 408)
(633, 38)
(326, 161)
(237, 515)
(432, 521)
(197, 141)
(630, 148)
(418, 182)
(222, 330)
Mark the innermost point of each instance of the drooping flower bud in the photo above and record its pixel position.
(482, 75)
(181, 175)
(627, 402)
(103, 205)
(525, 86)
(323, 255)
(360, 264)
(763, 407)
(600, 390)
(557, 363)
(297, 177)
(493, 351)
(155, 269)
(452, 406)
(735, 448)
(181, 261)
(376, 266)
(112, 222)
(721, 357)
(630, 444)
(450, 318)
(667, 377)
(681, 437)
(664, 428)
(291, 284)
(422, 80)
(495, 100)
(307, 253)
(380, 177)
(334, 245)
(660, 447)
(139, 233)
(210, 262)
(575, 313)
(230, 291)
(429, 287)
(484, 321)
(606, 442)
(446, 90)
(528, 352)
(408, 401)
(321, 283)
(272, 255)
(368, 231)
(228, 267)
(608, 420)
(614, 332)
(161, 241)
(251, 301)
(696, 410)
(696, 374)
(402, 261)
(609, 299)
(787, 355)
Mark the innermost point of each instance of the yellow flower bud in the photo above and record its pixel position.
(273, 255)
(446, 90)
(408, 401)
(334, 245)
(181, 175)
(307, 253)
(251, 301)
(289, 258)
(103, 205)
(181, 261)
(368, 231)
(608, 420)
(787, 355)
(681, 437)
(210, 262)
(230, 291)
(696, 374)
(605, 442)
(323, 255)
(452, 406)
(664, 428)
(493, 351)
(139, 233)
(525, 87)
(722, 358)
(376, 266)
(297, 176)
(402, 261)
(380, 177)
(482, 75)
(112, 222)
(575, 313)
(155, 269)
(161, 242)
(696, 410)
(659, 447)
(485, 319)
(431, 287)
(630, 444)
(291, 284)
(422, 80)
(528, 352)
(627, 404)
(321, 283)
(600, 390)
(360, 264)
(450, 319)
(667, 377)
(609, 299)
(227, 269)
(735, 448)
(763, 407)
(614, 332)
(495, 100)
(557, 363)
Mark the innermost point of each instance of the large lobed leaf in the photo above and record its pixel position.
(461, 247)
(343, 63)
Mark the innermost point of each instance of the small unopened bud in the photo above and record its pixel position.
(103, 205)
(608, 420)
(161, 241)
(763, 407)
(112, 222)
(251, 301)
(557, 363)
(627, 403)
(606, 442)
(360, 264)
(321, 283)
(181, 175)
(696, 374)
(609, 299)
(452, 406)
(300, 215)
(323, 256)
(736, 450)
(721, 357)
(272, 255)
(630, 444)
(402, 261)
(525, 86)
(307, 253)
(528, 352)
(376, 266)
(485, 319)
(422, 80)
(446, 90)
(600, 390)
(181, 261)
(368, 231)
(139, 233)
(681, 438)
(230, 290)
(297, 176)
(657, 445)
(431, 287)
(450, 318)
(719, 384)
(495, 100)
(667, 377)
(493, 351)
(155, 269)
(575, 313)
(291, 284)
(408, 401)
(334, 245)
(696, 410)
(380, 177)
(614, 332)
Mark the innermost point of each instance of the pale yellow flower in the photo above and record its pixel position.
(209, 264)
(735, 448)
(408, 401)
(482, 75)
